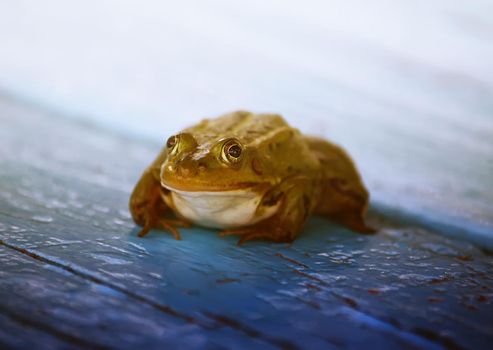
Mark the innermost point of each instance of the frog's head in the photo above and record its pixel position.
(206, 163)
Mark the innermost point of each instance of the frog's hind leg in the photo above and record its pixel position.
(344, 203)
(342, 195)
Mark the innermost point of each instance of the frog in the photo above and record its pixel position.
(250, 175)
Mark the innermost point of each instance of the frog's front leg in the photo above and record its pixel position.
(147, 206)
(294, 206)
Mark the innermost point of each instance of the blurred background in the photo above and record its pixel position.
(405, 86)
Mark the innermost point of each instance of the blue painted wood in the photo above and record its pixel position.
(57, 307)
(15, 334)
(70, 257)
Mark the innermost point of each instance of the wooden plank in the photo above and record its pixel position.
(44, 303)
(66, 207)
(19, 334)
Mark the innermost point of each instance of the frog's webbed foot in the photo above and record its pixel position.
(357, 223)
(164, 224)
(149, 210)
(255, 233)
(354, 220)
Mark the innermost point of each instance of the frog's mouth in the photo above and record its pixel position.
(176, 186)
(219, 209)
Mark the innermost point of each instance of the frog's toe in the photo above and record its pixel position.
(234, 232)
(145, 230)
(251, 236)
(247, 234)
(273, 236)
(166, 225)
(178, 222)
(147, 225)
(258, 234)
(357, 223)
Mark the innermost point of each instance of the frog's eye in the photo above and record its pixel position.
(232, 151)
(172, 141)
(182, 142)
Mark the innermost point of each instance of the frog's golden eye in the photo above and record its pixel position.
(172, 141)
(181, 143)
(232, 151)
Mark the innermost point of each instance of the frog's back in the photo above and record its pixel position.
(248, 127)
(283, 146)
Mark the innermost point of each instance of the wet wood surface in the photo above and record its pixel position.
(74, 274)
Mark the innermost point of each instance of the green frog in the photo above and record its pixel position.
(251, 175)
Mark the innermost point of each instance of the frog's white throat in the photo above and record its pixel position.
(219, 209)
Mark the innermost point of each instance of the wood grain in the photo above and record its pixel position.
(70, 253)
(90, 91)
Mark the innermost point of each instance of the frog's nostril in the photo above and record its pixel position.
(202, 166)
(183, 171)
(187, 168)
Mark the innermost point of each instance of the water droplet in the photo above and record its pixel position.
(16, 229)
(110, 260)
(42, 218)
(156, 275)
(100, 208)
(55, 204)
(124, 214)
(440, 249)
(76, 204)
(118, 221)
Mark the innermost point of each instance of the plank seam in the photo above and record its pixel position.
(218, 321)
(421, 334)
(61, 335)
